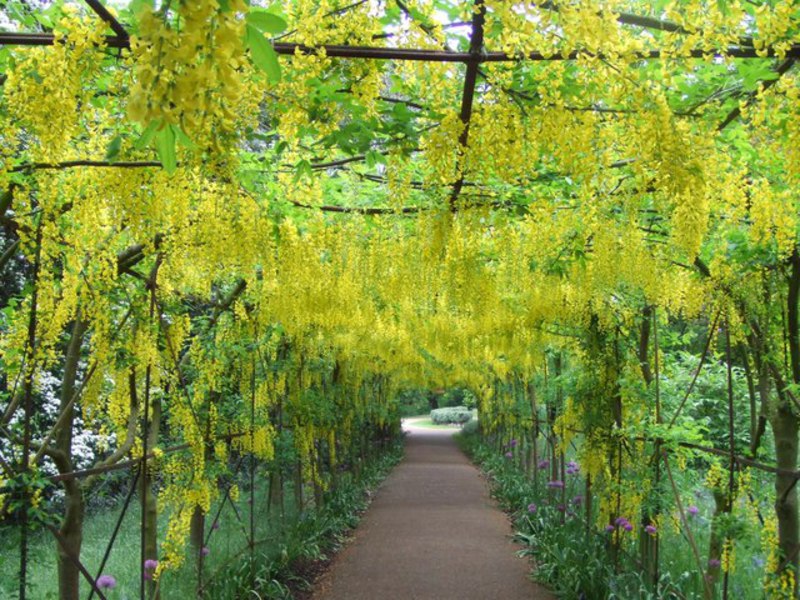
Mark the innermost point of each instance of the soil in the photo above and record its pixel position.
(432, 532)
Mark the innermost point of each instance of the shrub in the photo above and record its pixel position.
(471, 426)
(451, 414)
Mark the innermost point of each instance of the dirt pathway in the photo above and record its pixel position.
(432, 533)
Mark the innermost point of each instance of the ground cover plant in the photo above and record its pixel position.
(233, 233)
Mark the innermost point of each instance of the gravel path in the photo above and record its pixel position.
(432, 533)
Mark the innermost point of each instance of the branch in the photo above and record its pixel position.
(765, 85)
(427, 28)
(644, 343)
(333, 13)
(130, 433)
(733, 91)
(369, 210)
(780, 383)
(650, 23)
(6, 199)
(468, 95)
(133, 255)
(792, 301)
(408, 103)
(593, 108)
(417, 54)
(9, 253)
(103, 13)
(86, 163)
(227, 301)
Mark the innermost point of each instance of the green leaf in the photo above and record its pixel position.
(373, 158)
(165, 145)
(263, 54)
(184, 139)
(303, 169)
(755, 72)
(147, 135)
(137, 6)
(266, 22)
(112, 152)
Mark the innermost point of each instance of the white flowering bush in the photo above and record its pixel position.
(451, 414)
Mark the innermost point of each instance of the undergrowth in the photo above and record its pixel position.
(286, 570)
(574, 560)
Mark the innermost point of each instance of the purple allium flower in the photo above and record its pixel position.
(543, 464)
(627, 526)
(573, 468)
(651, 529)
(714, 563)
(758, 561)
(561, 508)
(609, 528)
(106, 582)
(151, 564)
(512, 443)
(204, 551)
(557, 484)
(509, 455)
(692, 510)
(531, 508)
(620, 521)
(577, 500)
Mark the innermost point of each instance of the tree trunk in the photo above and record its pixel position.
(72, 524)
(150, 501)
(197, 528)
(72, 533)
(751, 391)
(535, 444)
(319, 493)
(276, 491)
(298, 487)
(785, 429)
(648, 544)
(276, 495)
(552, 414)
(716, 541)
(763, 394)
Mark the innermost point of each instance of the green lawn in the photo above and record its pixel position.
(225, 543)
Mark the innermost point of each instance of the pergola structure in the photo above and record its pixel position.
(473, 59)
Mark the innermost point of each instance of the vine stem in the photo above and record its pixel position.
(26, 441)
(687, 529)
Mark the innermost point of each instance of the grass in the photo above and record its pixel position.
(123, 563)
(283, 545)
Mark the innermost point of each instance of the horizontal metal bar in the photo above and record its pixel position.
(370, 52)
(48, 39)
(417, 54)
